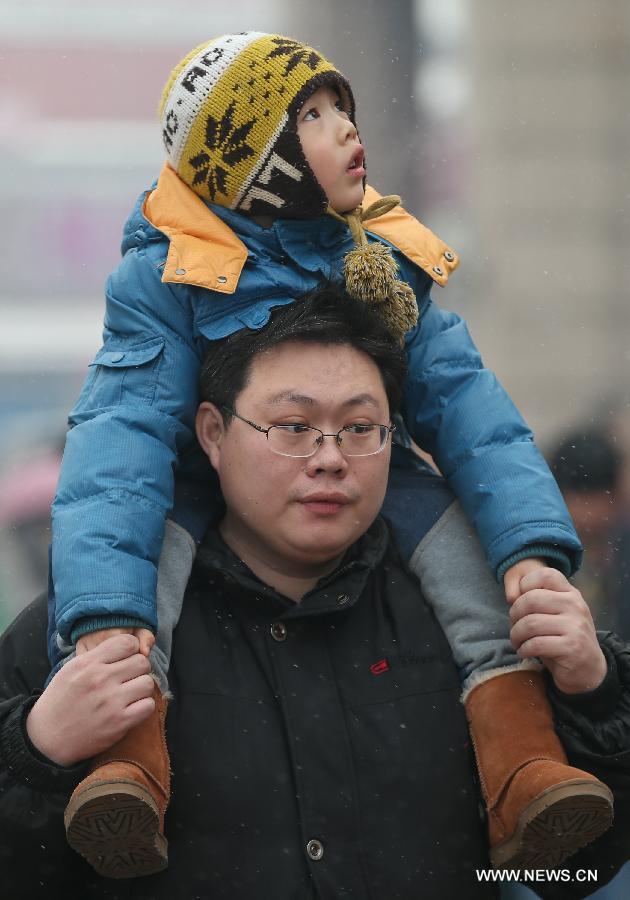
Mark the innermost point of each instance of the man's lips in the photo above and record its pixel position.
(325, 503)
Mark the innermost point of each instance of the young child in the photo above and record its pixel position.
(262, 198)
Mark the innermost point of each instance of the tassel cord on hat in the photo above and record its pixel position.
(370, 270)
(354, 220)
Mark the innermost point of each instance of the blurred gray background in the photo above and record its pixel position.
(505, 128)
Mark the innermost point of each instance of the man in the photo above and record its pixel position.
(589, 469)
(318, 745)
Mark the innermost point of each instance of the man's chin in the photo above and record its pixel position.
(322, 548)
(317, 542)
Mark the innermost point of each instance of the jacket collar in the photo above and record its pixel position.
(204, 251)
(347, 581)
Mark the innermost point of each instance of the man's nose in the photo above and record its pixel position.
(327, 458)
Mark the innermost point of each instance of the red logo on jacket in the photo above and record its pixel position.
(379, 667)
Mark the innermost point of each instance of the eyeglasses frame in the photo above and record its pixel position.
(318, 441)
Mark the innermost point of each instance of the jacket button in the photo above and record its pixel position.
(315, 849)
(342, 599)
(116, 357)
(437, 270)
(221, 279)
(180, 271)
(448, 256)
(279, 631)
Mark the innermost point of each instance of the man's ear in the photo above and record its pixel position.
(210, 430)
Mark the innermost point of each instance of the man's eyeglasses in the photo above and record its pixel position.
(302, 440)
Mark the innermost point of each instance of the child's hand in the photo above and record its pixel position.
(512, 578)
(94, 638)
(551, 620)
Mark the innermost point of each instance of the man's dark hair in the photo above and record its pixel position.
(324, 316)
(586, 460)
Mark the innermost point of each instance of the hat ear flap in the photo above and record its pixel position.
(287, 186)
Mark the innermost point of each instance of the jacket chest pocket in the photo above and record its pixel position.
(388, 650)
(392, 674)
(122, 373)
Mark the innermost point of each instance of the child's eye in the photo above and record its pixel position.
(310, 114)
(341, 108)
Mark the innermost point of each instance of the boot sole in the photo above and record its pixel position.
(555, 825)
(116, 828)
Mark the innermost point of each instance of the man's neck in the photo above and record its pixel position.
(292, 580)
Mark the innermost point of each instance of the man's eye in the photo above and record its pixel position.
(295, 428)
(360, 429)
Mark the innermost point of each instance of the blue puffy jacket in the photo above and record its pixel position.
(191, 274)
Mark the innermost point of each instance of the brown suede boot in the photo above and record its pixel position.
(115, 817)
(540, 809)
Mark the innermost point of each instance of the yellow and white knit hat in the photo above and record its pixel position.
(229, 122)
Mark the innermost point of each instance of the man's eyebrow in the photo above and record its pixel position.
(360, 399)
(291, 396)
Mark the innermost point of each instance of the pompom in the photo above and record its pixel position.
(399, 310)
(370, 272)
(404, 299)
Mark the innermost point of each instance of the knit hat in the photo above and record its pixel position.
(229, 125)
(229, 122)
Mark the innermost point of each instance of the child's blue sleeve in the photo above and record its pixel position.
(458, 411)
(134, 415)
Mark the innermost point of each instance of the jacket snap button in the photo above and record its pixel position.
(437, 270)
(315, 849)
(180, 271)
(279, 631)
(342, 599)
(116, 357)
(221, 279)
(448, 256)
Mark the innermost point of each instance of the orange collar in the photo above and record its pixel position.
(204, 251)
(413, 239)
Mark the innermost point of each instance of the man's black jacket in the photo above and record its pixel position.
(336, 719)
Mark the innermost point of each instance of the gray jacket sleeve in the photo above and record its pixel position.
(469, 604)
